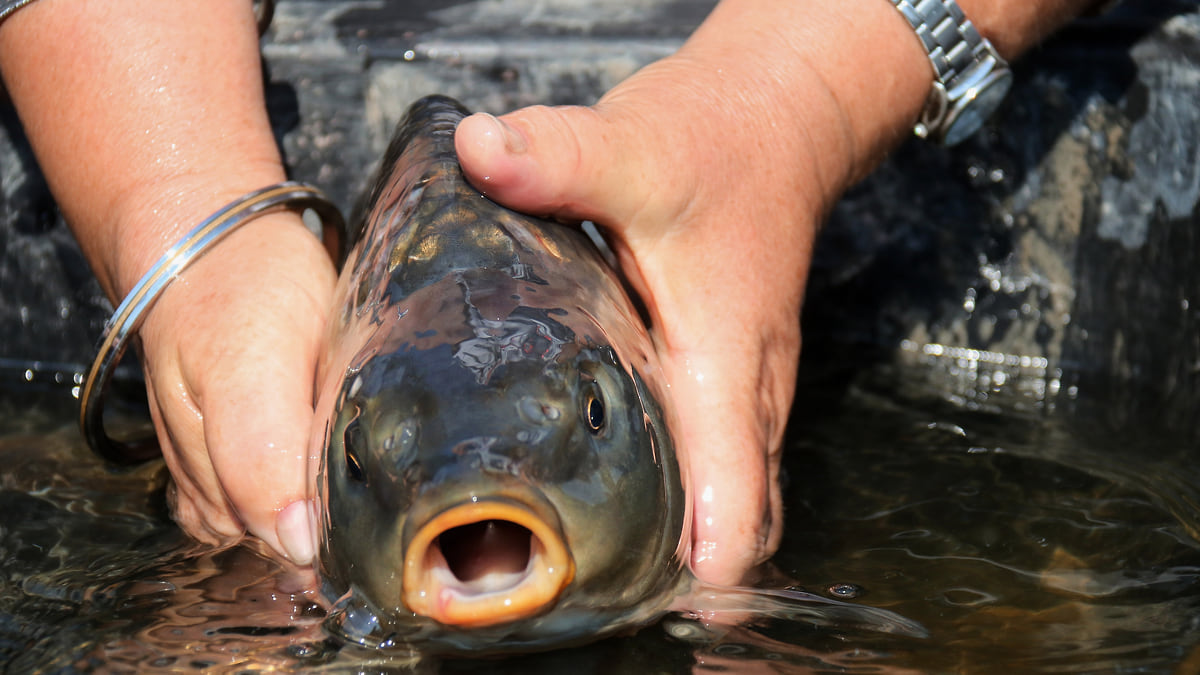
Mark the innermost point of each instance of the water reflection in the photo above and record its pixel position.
(1022, 540)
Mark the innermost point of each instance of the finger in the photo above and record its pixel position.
(194, 496)
(231, 349)
(258, 396)
(571, 162)
(732, 457)
(257, 422)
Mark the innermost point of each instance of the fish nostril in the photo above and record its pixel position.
(492, 547)
(536, 411)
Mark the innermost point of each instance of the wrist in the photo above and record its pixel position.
(1014, 26)
(154, 215)
(850, 78)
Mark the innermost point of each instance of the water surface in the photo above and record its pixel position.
(1024, 539)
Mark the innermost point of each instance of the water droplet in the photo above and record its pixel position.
(302, 650)
(845, 591)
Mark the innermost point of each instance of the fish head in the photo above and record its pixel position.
(499, 473)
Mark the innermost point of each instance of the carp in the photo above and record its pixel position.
(492, 451)
(496, 462)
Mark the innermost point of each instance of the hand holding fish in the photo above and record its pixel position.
(234, 447)
(119, 100)
(711, 171)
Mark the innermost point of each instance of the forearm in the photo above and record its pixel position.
(847, 80)
(145, 116)
(1014, 26)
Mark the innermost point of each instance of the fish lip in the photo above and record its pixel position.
(430, 589)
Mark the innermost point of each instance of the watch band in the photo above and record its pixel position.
(965, 65)
(950, 39)
(9, 6)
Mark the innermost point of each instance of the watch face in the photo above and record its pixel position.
(976, 106)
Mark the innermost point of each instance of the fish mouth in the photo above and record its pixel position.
(484, 563)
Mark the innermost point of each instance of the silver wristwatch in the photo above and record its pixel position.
(970, 77)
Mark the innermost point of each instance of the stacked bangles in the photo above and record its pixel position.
(130, 315)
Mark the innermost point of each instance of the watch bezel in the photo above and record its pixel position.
(970, 78)
(995, 85)
(944, 108)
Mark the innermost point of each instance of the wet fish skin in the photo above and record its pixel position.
(485, 374)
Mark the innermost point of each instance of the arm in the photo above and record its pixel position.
(146, 117)
(712, 169)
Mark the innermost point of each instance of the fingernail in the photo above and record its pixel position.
(514, 142)
(294, 528)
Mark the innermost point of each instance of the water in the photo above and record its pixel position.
(1022, 540)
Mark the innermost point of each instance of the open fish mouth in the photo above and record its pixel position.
(485, 562)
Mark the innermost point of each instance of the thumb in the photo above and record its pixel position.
(571, 162)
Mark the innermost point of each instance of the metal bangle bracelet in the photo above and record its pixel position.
(132, 312)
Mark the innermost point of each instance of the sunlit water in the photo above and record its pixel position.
(1022, 540)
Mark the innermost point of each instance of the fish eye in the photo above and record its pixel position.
(351, 440)
(593, 410)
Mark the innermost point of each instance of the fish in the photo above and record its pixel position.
(496, 459)
(493, 451)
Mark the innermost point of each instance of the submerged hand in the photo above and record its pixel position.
(229, 354)
(712, 208)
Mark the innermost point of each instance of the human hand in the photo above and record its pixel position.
(711, 170)
(147, 117)
(711, 195)
(719, 265)
(229, 353)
